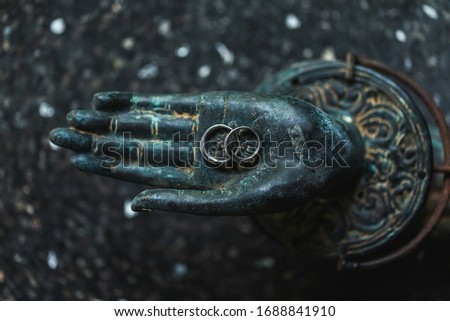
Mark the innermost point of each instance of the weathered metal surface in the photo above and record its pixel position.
(397, 168)
(126, 134)
(439, 194)
(242, 153)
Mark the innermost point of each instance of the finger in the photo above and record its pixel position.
(177, 103)
(127, 149)
(112, 101)
(92, 121)
(199, 202)
(148, 125)
(170, 177)
(74, 140)
(161, 153)
(122, 101)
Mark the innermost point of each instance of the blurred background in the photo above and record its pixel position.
(68, 235)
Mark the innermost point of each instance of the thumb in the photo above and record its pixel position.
(198, 202)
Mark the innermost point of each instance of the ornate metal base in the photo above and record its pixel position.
(398, 161)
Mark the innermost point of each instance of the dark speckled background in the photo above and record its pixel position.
(65, 234)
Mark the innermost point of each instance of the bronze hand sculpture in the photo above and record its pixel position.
(336, 153)
(288, 170)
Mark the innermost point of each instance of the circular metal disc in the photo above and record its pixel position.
(398, 159)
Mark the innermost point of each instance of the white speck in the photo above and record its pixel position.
(58, 26)
(87, 73)
(46, 110)
(29, 209)
(164, 27)
(204, 71)
(225, 53)
(128, 43)
(292, 21)
(430, 11)
(53, 146)
(437, 98)
(183, 51)
(266, 262)
(364, 5)
(127, 211)
(17, 258)
(307, 53)
(400, 35)
(328, 54)
(148, 71)
(347, 119)
(325, 25)
(180, 270)
(6, 32)
(52, 260)
(116, 7)
(37, 53)
(407, 63)
(432, 62)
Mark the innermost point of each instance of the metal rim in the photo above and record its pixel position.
(355, 245)
(430, 218)
(444, 132)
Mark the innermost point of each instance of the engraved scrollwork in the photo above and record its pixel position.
(379, 205)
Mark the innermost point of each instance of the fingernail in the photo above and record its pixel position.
(71, 139)
(76, 117)
(112, 101)
(138, 204)
(88, 120)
